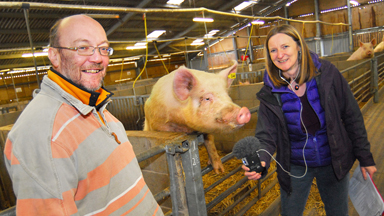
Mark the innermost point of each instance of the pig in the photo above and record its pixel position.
(188, 100)
(365, 51)
(380, 46)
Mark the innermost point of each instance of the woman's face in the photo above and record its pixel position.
(284, 52)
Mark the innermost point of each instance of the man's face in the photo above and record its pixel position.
(85, 71)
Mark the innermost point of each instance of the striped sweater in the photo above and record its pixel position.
(64, 158)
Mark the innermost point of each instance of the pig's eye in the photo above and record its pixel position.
(202, 99)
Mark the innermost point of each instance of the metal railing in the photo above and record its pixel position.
(249, 77)
(364, 78)
(129, 110)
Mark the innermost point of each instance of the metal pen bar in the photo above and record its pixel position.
(247, 194)
(223, 195)
(193, 179)
(150, 153)
(252, 202)
(209, 168)
(222, 179)
(177, 184)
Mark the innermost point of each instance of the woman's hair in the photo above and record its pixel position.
(307, 68)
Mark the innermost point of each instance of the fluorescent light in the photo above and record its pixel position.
(135, 47)
(156, 34)
(243, 6)
(211, 33)
(355, 3)
(258, 22)
(333, 9)
(306, 15)
(197, 42)
(175, 2)
(291, 2)
(28, 55)
(201, 19)
(138, 45)
(160, 59)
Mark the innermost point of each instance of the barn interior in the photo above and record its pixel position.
(152, 38)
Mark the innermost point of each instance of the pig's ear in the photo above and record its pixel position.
(229, 73)
(361, 43)
(183, 83)
(373, 42)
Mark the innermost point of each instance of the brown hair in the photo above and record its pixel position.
(307, 68)
(53, 34)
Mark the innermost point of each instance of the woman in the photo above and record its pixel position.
(309, 115)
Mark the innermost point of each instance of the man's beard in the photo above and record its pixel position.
(74, 74)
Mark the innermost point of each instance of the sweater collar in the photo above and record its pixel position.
(92, 98)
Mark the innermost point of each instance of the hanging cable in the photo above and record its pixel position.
(161, 58)
(206, 33)
(146, 54)
(246, 50)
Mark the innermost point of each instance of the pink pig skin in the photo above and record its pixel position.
(380, 46)
(188, 100)
(365, 51)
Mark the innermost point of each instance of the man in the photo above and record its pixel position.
(66, 154)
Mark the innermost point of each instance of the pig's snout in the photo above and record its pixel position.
(244, 116)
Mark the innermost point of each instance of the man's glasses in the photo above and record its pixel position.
(90, 50)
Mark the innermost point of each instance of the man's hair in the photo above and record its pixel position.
(307, 67)
(53, 35)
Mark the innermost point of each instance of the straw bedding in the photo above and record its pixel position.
(314, 202)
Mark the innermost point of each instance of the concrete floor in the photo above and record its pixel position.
(374, 123)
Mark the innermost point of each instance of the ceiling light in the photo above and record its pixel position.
(160, 59)
(243, 6)
(28, 55)
(138, 45)
(201, 19)
(135, 47)
(355, 3)
(258, 22)
(197, 42)
(175, 2)
(291, 2)
(155, 34)
(211, 33)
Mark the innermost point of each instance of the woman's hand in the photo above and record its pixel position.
(369, 169)
(252, 175)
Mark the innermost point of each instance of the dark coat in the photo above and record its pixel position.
(346, 131)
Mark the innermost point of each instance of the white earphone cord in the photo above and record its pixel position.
(306, 132)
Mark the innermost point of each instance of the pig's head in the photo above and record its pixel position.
(368, 48)
(207, 105)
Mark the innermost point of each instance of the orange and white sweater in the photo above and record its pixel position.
(67, 155)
